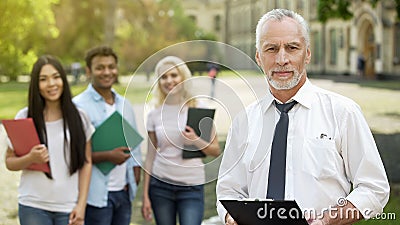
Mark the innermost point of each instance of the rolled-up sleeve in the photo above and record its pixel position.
(364, 165)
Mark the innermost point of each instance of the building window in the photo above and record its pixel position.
(300, 7)
(217, 23)
(315, 47)
(193, 18)
(286, 4)
(396, 58)
(333, 47)
(348, 32)
(313, 9)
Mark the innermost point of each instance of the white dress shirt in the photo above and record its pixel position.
(329, 148)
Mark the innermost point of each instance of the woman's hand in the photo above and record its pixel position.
(190, 135)
(191, 138)
(39, 154)
(77, 216)
(146, 209)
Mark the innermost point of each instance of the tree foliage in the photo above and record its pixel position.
(398, 9)
(334, 9)
(397, 2)
(136, 29)
(24, 24)
(340, 9)
(144, 27)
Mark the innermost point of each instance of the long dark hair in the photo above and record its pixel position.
(71, 116)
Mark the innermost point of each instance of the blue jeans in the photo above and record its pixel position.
(34, 216)
(117, 212)
(168, 200)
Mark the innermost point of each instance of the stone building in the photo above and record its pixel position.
(373, 31)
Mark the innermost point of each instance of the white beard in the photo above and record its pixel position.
(287, 84)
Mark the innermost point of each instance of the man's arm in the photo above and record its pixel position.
(232, 182)
(363, 165)
(116, 156)
(339, 215)
(136, 171)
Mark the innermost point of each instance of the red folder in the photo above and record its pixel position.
(23, 136)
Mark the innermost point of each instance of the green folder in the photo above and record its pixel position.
(114, 132)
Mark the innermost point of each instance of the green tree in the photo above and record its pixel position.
(135, 28)
(67, 28)
(24, 24)
(81, 25)
(146, 26)
(328, 9)
(334, 9)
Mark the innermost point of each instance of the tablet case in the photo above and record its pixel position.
(201, 120)
(253, 212)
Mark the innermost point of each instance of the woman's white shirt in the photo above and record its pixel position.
(59, 194)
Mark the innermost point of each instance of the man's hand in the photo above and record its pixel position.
(229, 220)
(317, 222)
(342, 214)
(118, 155)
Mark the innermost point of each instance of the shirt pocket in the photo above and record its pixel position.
(320, 157)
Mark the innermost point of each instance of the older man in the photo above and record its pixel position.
(301, 142)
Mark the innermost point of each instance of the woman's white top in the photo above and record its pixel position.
(59, 194)
(168, 122)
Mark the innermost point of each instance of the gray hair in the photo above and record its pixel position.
(279, 15)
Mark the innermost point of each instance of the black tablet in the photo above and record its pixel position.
(253, 212)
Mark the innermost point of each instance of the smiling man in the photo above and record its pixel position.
(110, 195)
(301, 142)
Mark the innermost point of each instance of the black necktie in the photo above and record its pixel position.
(277, 168)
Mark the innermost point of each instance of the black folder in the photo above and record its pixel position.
(271, 212)
(201, 120)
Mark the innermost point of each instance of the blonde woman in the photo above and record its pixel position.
(173, 186)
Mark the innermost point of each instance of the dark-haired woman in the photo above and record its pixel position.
(64, 133)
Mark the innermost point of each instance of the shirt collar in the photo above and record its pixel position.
(304, 96)
(96, 96)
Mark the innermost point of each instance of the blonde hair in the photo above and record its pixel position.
(184, 72)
